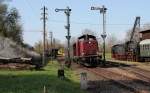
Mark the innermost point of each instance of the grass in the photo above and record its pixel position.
(33, 81)
(108, 56)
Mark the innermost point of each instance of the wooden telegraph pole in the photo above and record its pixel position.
(44, 18)
(51, 39)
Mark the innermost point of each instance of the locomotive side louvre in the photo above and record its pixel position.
(81, 46)
(77, 49)
(74, 49)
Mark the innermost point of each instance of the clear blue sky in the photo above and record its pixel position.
(120, 17)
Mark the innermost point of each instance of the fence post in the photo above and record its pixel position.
(61, 72)
(44, 91)
(83, 80)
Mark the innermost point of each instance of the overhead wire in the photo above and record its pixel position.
(30, 6)
(33, 31)
(87, 23)
(74, 22)
(33, 12)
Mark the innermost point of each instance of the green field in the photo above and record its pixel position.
(33, 81)
(108, 56)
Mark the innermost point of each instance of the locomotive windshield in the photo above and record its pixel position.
(87, 37)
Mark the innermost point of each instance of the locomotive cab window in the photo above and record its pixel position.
(91, 38)
(146, 47)
(143, 47)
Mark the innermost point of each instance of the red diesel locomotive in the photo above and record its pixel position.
(86, 51)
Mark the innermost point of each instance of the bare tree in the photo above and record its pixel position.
(72, 41)
(111, 40)
(136, 35)
(38, 47)
(88, 31)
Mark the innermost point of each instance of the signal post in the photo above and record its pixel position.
(103, 35)
(67, 11)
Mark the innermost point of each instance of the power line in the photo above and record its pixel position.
(88, 23)
(74, 22)
(30, 6)
(33, 31)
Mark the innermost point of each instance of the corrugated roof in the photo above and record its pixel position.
(146, 41)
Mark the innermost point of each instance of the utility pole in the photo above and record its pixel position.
(54, 48)
(44, 18)
(47, 43)
(54, 43)
(51, 39)
(67, 11)
(103, 35)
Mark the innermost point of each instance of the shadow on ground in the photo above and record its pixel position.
(109, 64)
(109, 86)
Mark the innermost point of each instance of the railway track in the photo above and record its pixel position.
(132, 84)
(140, 73)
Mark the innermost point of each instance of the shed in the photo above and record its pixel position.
(145, 34)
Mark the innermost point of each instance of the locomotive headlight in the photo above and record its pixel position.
(83, 53)
(89, 42)
(97, 53)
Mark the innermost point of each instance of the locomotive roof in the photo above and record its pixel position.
(87, 35)
(130, 42)
(118, 45)
(146, 41)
